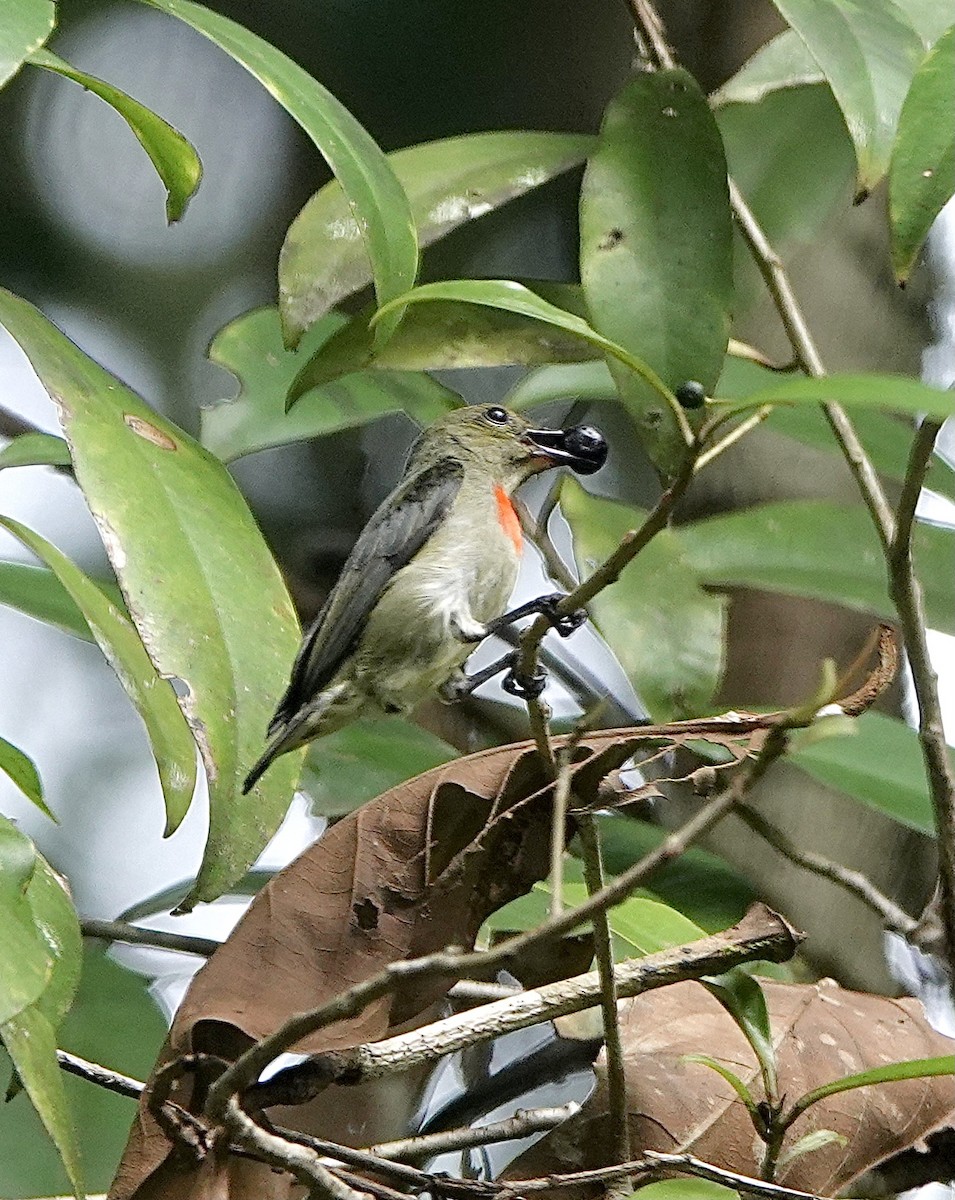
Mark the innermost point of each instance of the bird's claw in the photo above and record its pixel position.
(562, 623)
(523, 686)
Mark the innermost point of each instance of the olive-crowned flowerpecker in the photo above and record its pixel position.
(429, 577)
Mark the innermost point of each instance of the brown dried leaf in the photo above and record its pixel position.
(821, 1033)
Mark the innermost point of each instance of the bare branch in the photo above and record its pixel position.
(103, 1077)
(134, 935)
(525, 1121)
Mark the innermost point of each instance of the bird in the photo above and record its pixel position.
(429, 577)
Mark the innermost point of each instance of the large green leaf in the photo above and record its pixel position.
(513, 297)
(112, 1020)
(153, 696)
(35, 450)
(665, 629)
(897, 393)
(685, 1189)
(580, 381)
(366, 758)
(449, 335)
(200, 584)
(887, 437)
(783, 62)
(379, 206)
(30, 1035)
(656, 243)
(25, 959)
(251, 348)
(814, 548)
(24, 27)
(38, 593)
(881, 764)
(175, 159)
(922, 171)
(22, 770)
(868, 52)
(447, 182)
(643, 926)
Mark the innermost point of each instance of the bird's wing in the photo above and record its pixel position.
(395, 533)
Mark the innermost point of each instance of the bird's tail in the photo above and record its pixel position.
(283, 739)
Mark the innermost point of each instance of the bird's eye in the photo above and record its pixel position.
(498, 416)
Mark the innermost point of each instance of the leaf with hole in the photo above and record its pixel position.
(656, 240)
(200, 584)
(251, 348)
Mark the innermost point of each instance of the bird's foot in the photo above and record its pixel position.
(563, 623)
(517, 683)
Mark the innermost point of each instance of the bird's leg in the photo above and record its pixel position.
(564, 623)
(461, 685)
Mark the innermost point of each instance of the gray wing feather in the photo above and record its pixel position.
(395, 533)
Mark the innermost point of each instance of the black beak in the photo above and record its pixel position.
(582, 448)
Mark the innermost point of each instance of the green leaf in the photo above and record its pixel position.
(251, 348)
(35, 450)
(22, 770)
(447, 335)
(27, 962)
(30, 1035)
(737, 1084)
(31, 1043)
(916, 1068)
(665, 629)
(685, 1189)
(868, 52)
(175, 159)
(513, 297)
(897, 393)
(113, 1020)
(367, 758)
(881, 765)
(448, 183)
(815, 548)
(743, 998)
(644, 926)
(200, 584)
(887, 438)
(24, 27)
(580, 381)
(153, 696)
(656, 244)
(782, 62)
(701, 886)
(39, 593)
(377, 200)
(922, 170)
(809, 1143)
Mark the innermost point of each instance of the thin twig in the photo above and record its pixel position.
(908, 598)
(112, 1081)
(558, 829)
(524, 1122)
(134, 935)
(603, 949)
(686, 1164)
(761, 934)
(859, 885)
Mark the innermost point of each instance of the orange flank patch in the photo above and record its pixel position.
(507, 515)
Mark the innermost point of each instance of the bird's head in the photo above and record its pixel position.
(505, 443)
